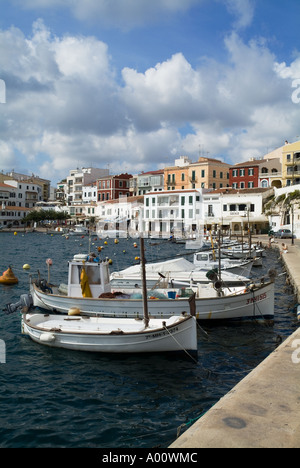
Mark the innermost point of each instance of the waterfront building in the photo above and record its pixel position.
(256, 173)
(152, 181)
(112, 187)
(206, 173)
(123, 214)
(79, 178)
(177, 213)
(283, 210)
(12, 210)
(243, 210)
(31, 180)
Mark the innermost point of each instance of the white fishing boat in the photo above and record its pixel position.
(90, 293)
(177, 272)
(78, 230)
(240, 251)
(206, 260)
(112, 335)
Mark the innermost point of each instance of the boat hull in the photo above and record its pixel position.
(257, 304)
(95, 334)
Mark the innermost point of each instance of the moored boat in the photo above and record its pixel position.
(112, 335)
(89, 290)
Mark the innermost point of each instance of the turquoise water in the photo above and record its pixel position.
(59, 398)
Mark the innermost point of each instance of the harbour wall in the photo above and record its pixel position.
(263, 410)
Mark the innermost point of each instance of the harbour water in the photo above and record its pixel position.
(59, 398)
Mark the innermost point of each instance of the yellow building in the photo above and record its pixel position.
(205, 173)
(291, 164)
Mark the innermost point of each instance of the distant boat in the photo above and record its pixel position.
(78, 230)
(205, 261)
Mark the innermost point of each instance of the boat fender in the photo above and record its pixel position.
(47, 337)
(74, 311)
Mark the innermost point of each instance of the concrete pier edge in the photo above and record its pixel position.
(263, 409)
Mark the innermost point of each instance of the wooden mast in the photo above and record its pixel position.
(145, 303)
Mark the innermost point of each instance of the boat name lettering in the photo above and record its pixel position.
(162, 333)
(260, 297)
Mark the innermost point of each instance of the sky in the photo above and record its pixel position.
(132, 85)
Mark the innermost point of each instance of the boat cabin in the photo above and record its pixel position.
(204, 258)
(96, 274)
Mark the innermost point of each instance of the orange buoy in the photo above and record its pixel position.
(8, 277)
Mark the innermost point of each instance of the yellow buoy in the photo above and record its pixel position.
(105, 242)
(26, 266)
(15, 233)
(110, 261)
(116, 241)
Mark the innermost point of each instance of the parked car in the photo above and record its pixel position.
(284, 234)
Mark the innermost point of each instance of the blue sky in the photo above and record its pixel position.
(135, 84)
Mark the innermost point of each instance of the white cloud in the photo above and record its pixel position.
(65, 108)
(116, 13)
(243, 10)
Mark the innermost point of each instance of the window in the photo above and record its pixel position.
(221, 175)
(214, 174)
(203, 173)
(193, 175)
(251, 172)
(182, 201)
(242, 172)
(250, 184)
(234, 173)
(190, 200)
(224, 207)
(147, 201)
(182, 176)
(242, 185)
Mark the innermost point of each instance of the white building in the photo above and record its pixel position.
(288, 218)
(177, 212)
(124, 214)
(79, 178)
(12, 205)
(243, 209)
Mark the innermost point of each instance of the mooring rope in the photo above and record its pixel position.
(179, 344)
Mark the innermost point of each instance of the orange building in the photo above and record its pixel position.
(205, 173)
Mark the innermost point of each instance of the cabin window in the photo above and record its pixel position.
(93, 274)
